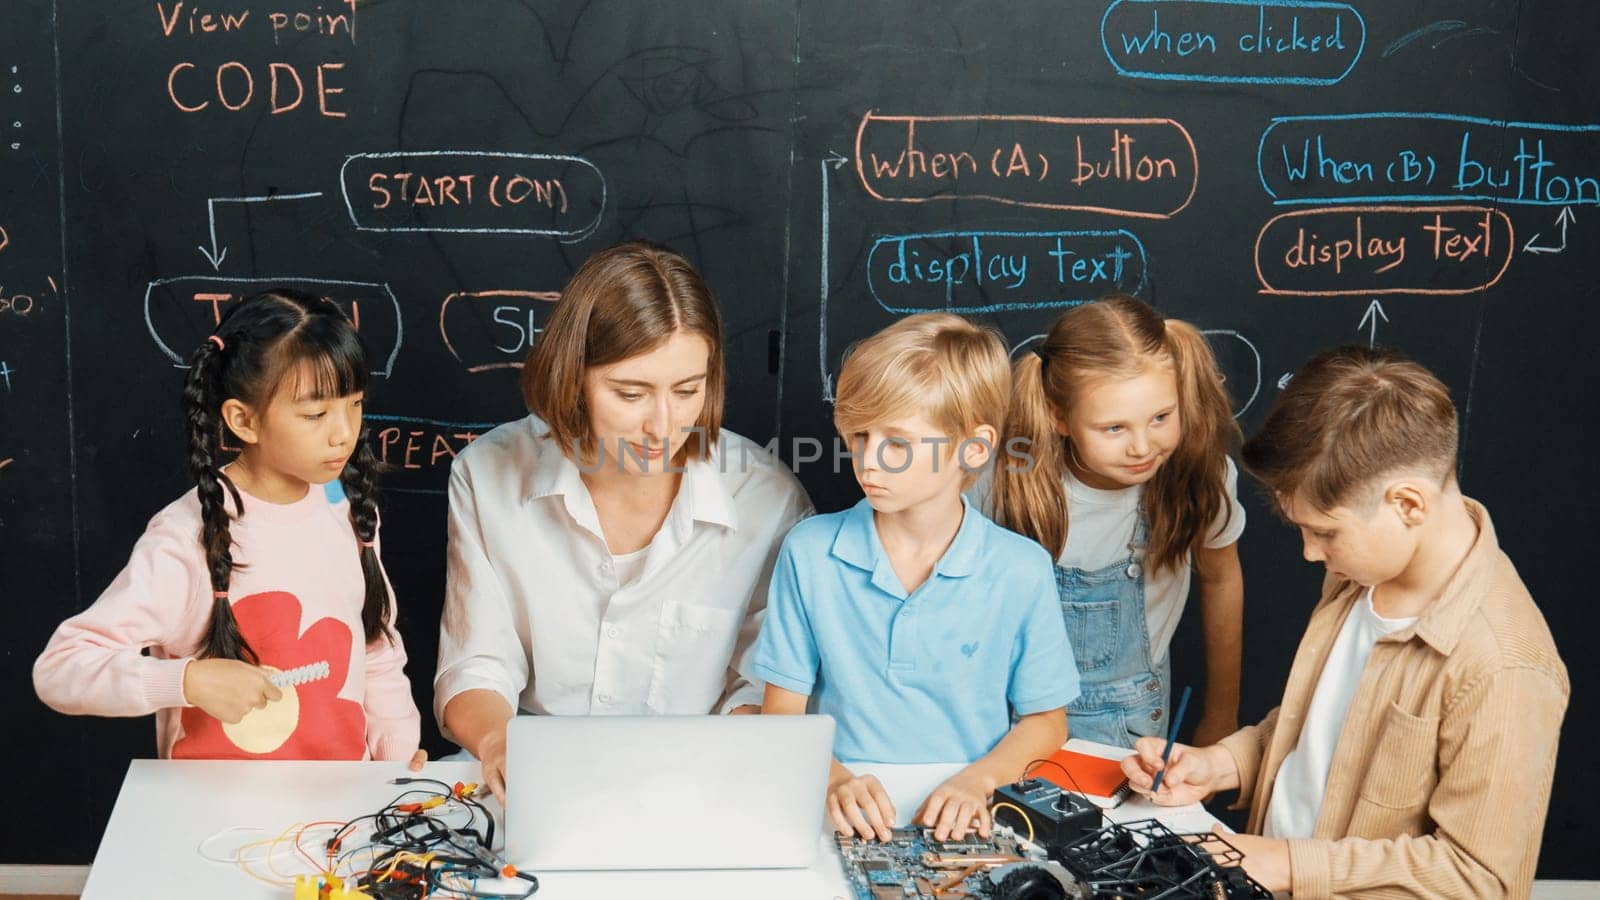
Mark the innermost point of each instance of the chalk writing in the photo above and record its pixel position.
(419, 451)
(236, 86)
(5, 374)
(1428, 156)
(318, 23)
(1131, 167)
(487, 330)
(990, 271)
(1384, 250)
(474, 191)
(1233, 41)
(184, 19)
(180, 312)
(21, 305)
(197, 22)
(279, 86)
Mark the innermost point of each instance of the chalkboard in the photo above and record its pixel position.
(1287, 175)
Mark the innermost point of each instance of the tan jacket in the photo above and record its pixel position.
(1440, 782)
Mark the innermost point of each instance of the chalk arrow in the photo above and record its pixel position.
(1373, 314)
(1566, 218)
(1284, 379)
(835, 160)
(215, 255)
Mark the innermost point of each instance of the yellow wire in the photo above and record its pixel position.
(292, 832)
(406, 856)
(1012, 806)
(300, 829)
(271, 844)
(295, 831)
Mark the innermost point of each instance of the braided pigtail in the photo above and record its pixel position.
(202, 404)
(360, 477)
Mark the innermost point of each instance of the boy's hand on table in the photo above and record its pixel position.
(859, 805)
(953, 806)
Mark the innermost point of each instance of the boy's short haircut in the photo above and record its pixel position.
(1349, 416)
(952, 370)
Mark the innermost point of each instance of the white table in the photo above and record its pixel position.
(168, 808)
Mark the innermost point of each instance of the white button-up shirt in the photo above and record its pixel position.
(533, 607)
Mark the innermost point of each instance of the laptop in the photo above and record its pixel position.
(666, 792)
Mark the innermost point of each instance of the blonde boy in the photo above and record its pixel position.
(1413, 752)
(919, 625)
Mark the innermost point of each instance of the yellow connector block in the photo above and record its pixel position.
(326, 887)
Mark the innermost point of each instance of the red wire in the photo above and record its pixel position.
(301, 850)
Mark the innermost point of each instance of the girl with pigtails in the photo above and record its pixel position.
(254, 618)
(1127, 481)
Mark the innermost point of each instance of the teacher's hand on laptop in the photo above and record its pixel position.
(643, 792)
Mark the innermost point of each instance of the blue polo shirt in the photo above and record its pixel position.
(933, 676)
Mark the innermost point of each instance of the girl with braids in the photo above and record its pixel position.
(1126, 480)
(270, 565)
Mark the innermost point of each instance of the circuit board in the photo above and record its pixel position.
(914, 866)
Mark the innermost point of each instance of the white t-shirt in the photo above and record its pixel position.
(1297, 794)
(1100, 524)
(629, 566)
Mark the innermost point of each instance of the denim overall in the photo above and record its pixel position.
(1123, 696)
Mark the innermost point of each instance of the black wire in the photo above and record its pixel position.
(448, 788)
(449, 791)
(1029, 768)
(488, 819)
(396, 833)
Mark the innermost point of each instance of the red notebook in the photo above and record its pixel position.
(1092, 775)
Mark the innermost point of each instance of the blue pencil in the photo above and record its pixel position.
(1172, 736)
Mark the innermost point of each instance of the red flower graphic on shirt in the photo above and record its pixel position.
(310, 721)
